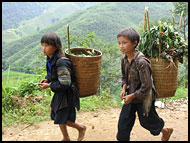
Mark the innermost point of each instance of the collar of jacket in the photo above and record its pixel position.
(136, 55)
(53, 59)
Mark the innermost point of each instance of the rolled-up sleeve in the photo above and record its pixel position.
(47, 77)
(64, 77)
(145, 79)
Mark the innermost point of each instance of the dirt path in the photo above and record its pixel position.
(102, 126)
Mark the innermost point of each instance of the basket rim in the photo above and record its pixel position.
(85, 49)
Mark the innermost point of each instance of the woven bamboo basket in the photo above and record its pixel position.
(165, 77)
(87, 70)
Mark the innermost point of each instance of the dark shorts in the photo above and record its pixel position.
(65, 114)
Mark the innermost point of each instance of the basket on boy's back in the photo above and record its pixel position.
(165, 77)
(87, 70)
(87, 65)
(164, 46)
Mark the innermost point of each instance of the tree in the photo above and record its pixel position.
(179, 7)
(5, 65)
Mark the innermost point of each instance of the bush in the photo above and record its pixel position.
(7, 103)
(29, 86)
(183, 74)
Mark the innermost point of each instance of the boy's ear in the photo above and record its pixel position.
(135, 43)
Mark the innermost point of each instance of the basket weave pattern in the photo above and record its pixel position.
(87, 71)
(165, 77)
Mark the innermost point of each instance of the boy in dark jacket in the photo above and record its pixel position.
(60, 79)
(137, 82)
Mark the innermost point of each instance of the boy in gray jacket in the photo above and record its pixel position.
(137, 82)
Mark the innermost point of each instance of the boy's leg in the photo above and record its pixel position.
(153, 122)
(80, 128)
(126, 122)
(63, 128)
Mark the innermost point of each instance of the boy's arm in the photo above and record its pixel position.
(123, 77)
(124, 87)
(64, 77)
(47, 77)
(145, 78)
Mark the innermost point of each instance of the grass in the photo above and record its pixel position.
(12, 79)
(38, 111)
(92, 103)
(33, 113)
(181, 92)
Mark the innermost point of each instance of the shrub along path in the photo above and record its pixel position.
(102, 126)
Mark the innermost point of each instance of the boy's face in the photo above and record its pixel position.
(48, 50)
(125, 45)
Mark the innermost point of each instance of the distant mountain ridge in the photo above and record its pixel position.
(22, 11)
(28, 21)
(105, 19)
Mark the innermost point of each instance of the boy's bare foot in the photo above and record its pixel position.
(82, 133)
(66, 139)
(166, 134)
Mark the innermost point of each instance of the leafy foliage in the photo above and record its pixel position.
(28, 87)
(7, 103)
(163, 41)
(183, 74)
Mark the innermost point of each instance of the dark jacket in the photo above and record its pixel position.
(138, 78)
(62, 83)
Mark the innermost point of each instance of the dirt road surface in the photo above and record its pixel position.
(102, 126)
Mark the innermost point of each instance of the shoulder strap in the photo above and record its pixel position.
(65, 58)
(73, 78)
(141, 55)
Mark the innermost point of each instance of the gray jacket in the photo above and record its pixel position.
(137, 75)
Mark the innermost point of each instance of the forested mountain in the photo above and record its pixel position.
(105, 19)
(31, 17)
(22, 11)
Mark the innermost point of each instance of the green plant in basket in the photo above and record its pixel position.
(83, 53)
(162, 41)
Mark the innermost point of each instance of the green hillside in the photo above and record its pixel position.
(105, 19)
(52, 12)
(22, 11)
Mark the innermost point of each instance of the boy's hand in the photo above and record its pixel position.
(44, 81)
(122, 94)
(44, 85)
(129, 98)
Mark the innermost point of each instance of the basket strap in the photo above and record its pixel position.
(141, 55)
(65, 58)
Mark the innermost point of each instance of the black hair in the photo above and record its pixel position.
(131, 33)
(51, 38)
